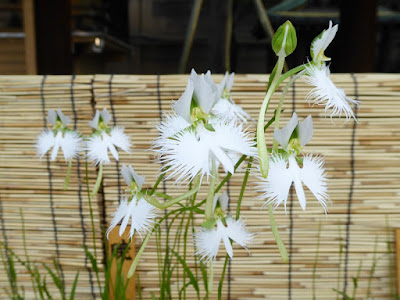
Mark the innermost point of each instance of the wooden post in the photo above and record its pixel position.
(397, 235)
(121, 243)
(53, 37)
(28, 13)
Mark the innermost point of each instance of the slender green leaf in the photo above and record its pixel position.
(193, 280)
(73, 289)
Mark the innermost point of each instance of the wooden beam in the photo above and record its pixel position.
(53, 36)
(356, 38)
(115, 241)
(28, 13)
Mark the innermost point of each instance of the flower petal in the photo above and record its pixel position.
(105, 116)
(64, 119)
(324, 41)
(314, 177)
(182, 106)
(305, 130)
(205, 91)
(326, 93)
(44, 142)
(52, 117)
(276, 186)
(283, 135)
(120, 139)
(71, 145)
(57, 145)
(207, 243)
(236, 230)
(95, 122)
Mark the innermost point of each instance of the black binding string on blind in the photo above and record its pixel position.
(100, 203)
(78, 171)
(164, 184)
(291, 220)
(53, 215)
(115, 124)
(353, 177)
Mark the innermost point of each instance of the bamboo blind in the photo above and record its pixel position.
(362, 161)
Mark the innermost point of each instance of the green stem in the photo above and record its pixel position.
(139, 254)
(98, 181)
(221, 282)
(279, 109)
(66, 181)
(160, 177)
(92, 222)
(244, 184)
(210, 277)
(146, 240)
(209, 214)
(153, 201)
(261, 145)
(292, 72)
(275, 232)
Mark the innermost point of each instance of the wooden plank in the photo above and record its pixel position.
(115, 241)
(28, 12)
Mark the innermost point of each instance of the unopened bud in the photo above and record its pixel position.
(284, 41)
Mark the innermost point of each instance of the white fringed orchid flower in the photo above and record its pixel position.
(326, 93)
(207, 241)
(317, 74)
(68, 140)
(285, 170)
(192, 140)
(133, 208)
(105, 138)
(321, 42)
(225, 108)
(283, 173)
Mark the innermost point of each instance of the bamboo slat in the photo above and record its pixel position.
(372, 146)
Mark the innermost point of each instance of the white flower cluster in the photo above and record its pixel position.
(72, 142)
(193, 138)
(204, 132)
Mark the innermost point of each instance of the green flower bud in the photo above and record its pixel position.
(284, 41)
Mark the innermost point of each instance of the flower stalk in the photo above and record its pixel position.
(261, 144)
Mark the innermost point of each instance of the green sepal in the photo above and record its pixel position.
(209, 224)
(209, 127)
(319, 36)
(299, 160)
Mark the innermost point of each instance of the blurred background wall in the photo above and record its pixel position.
(148, 36)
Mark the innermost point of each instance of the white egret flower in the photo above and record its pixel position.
(192, 151)
(326, 93)
(133, 208)
(321, 42)
(192, 140)
(129, 175)
(138, 211)
(207, 241)
(225, 108)
(303, 132)
(68, 140)
(104, 139)
(283, 173)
